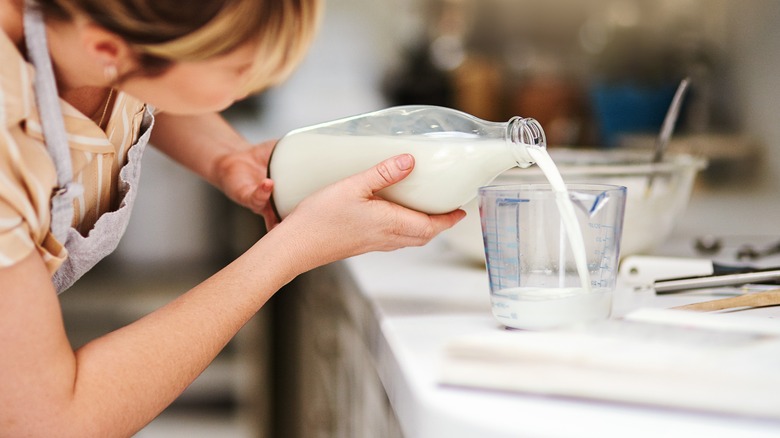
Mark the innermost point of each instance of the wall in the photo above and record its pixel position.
(754, 64)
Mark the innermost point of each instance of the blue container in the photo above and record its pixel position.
(628, 108)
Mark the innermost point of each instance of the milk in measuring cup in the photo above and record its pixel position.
(540, 308)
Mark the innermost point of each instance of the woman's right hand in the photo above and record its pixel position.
(347, 218)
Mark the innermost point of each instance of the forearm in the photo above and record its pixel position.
(197, 142)
(156, 358)
(116, 384)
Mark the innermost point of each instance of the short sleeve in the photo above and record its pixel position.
(27, 173)
(16, 241)
(27, 177)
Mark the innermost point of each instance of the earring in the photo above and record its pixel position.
(110, 73)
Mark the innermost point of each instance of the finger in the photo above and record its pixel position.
(263, 191)
(258, 198)
(441, 222)
(270, 221)
(270, 218)
(419, 232)
(444, 221)
(388, 172)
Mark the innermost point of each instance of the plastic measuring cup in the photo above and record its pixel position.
(534, 280)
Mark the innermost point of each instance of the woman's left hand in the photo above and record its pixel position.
(210, 147)
(242, 176)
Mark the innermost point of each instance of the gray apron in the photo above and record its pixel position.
(83, 252)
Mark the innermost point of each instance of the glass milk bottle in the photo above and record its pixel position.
(455, 154)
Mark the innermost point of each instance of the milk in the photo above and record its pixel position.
(449, 167)
(540, 308)
(544, 308)
(568, 215)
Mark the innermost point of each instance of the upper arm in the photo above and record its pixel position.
(37, 363)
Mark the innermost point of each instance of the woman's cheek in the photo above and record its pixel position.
(209, 96)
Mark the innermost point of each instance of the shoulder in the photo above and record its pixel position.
(22, 153)
(27, 178)
(27, 174)
(21, 147)
(16, 89)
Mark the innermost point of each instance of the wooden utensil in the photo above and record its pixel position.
(754, 299)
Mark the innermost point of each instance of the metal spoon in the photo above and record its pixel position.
(667, 128)
(669, 121)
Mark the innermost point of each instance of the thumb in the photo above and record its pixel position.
(389, 172)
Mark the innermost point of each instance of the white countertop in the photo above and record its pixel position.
(426, 297)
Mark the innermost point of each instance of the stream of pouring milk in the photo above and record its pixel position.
(566, 208)
(540, 308)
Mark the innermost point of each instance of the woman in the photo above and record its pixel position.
(75, 116)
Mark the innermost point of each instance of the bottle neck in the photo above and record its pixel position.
(522, 133)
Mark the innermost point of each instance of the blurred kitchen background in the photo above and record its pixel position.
(595, 73)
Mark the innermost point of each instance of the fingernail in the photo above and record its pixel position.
(404, 161)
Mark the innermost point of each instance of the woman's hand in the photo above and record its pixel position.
(210, 147)
(241, 175)
(347, 218)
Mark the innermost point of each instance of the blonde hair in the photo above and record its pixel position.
(162, 32)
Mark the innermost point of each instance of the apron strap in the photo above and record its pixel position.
(51, 121)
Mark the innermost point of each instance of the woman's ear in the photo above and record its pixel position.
(107, 49)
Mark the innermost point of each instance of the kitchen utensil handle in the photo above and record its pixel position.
(682, 284)
(755, 299)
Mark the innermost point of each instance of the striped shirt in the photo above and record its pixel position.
(28, 174)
